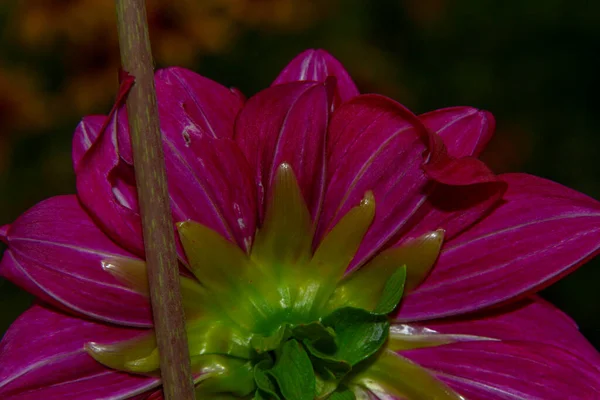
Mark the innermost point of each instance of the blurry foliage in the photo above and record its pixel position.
(532, 63)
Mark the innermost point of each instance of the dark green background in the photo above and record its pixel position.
(533, 63)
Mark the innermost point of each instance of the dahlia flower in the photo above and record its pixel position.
(332, 246)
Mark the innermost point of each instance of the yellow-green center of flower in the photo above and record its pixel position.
(286, 321)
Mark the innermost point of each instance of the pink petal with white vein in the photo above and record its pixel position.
(468, 189)
(215, 189)
(192, 106)
(4, 233)
(102, 189)
(374, 144)
(210, 105)
(56, 247)
(455, 208)
(318, 65)
(196, 117)
(42, 356)
(210, 182)
(85, 134)
(286, 123)
(464, 130)
(533, 320)
(540, 232)
(494, 370)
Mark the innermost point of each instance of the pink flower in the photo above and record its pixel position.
(274, 198)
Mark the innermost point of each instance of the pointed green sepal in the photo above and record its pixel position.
(137, 355)
(333, 256)
(133, 274)
(416, 382)
(235, 377)
(285, 237)
(234, 283)
(392, 292)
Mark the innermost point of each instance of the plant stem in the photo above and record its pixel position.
(151, 179)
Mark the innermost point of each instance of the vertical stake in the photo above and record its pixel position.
(159, 239)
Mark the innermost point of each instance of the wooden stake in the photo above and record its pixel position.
(151, 179)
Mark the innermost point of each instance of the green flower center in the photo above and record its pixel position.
(283, 322)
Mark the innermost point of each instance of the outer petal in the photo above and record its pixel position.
(533, 320)
(106, 187)
(317, 65)
(375, 144)
(455, 208)
(194, 106)
(465, 130)
(490, 370)
(286, 123)
(473, 190)
(85, 134)
(4, 233)
(56, 252)
(540, 232)
(209, 180)
(42, 356)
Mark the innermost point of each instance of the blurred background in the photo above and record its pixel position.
(535, 64)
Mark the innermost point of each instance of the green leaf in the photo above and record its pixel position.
(267, 387)
(342, 393)
(392, 292)
(329, 366)
(320, 342)
(324, 387)
(359, 333)
(260, 395)
(294, 372)
(320, 337)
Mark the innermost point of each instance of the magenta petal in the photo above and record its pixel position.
(464, 130)
(464, 188)
(541, 231)
(210, 106)
(286, 123)
(317, 65)
(494, 370)
(56, 252)
(209, 179)
(532, 319)
(215, 189)
(85, 134)
(4, 233)
(190, 106)
(42, 356)
(455, 208)
(105, 185)
(375, 144)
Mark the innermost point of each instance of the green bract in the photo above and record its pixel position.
(283, 322)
